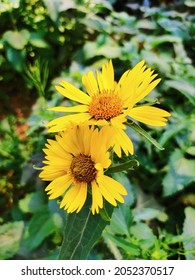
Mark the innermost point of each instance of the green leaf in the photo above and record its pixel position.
(154, 41)
(145, 214)
(16, 39)
(124, 180)
(8, 5)
(123, 244)
(31, 202)
(180, 173)
(183, 87)
(143, 233)
(189, 233)
(129, 165)
(42, 224)
(140, 130)
(16, 58)
(37, 40)
(191, 150)
(52, 7)
(190, 3)
(82, 230)
(10, 237)
(170, 132)
(121, 220)
(106, 212)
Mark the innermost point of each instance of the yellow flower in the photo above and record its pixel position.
(110, 104)
(74, 163)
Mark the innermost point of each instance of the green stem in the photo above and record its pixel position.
(140, 130)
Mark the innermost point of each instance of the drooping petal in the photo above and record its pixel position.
(74, 198)
(106, 194)
(121, 141)
(119, 121)
(97, 200)
(79, 199)
(111, 189)
(69, 196)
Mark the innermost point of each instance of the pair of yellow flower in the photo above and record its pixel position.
(76, 161)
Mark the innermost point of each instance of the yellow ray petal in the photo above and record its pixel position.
(47, 175)
(130, 80)
(73, 93)
(105, 79)
(77, 108)
(97, 200)
(50, 153)
(56, 148)
(105, 193)
(69, 197)
(118, 121)
(90, 83)
(122, 141)
(79, 199)
(108, 75)
(144, 90)
(75, 198)
(58, 186)
(82, 196)
(149, 115)
(61, 123)
(112, 187)
(70, 145)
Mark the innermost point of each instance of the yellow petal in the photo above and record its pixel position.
(108, 75)
(90, 83)
(130, 80)
(58, 186)
(49, 175)
(61, 123)
(121, 141)
(56, 148)
(114, 186)
(105, 193)
(77, 108)
(149, 115)
(69, 197)
(73, 93)
(144, 90)
(80, 198)
(97, 200)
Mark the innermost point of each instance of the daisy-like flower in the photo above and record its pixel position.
(110, 104)
(74, 163)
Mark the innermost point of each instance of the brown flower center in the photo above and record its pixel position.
(82, 168)
(105, 106)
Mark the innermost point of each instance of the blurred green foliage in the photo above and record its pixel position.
(43, 42)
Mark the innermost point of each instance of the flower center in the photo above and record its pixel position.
(105, 106)
(82, 168)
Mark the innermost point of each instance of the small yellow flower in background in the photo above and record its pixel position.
(74, 163)
(111, 104)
